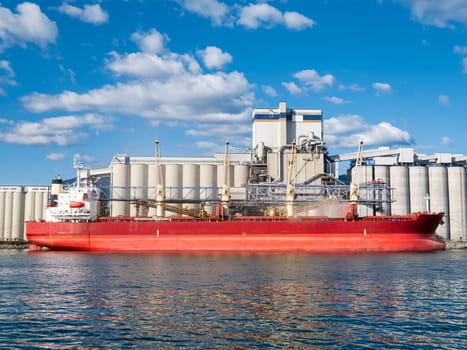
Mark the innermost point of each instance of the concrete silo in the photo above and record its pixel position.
(418, 182)
(173, 183)
(457, 184)
(120, 187)
(363, 177)
(2, 214)
(190, 181)
(17, 222)
(399, 177)
(439, 196)
(138, 186)
(13, 213)
(208, 183)
(8, 223)
(241, 175)
(381, 174)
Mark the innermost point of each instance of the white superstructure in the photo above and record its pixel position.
(77, 203)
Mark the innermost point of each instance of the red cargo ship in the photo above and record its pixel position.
(72, 223)
(414, 232)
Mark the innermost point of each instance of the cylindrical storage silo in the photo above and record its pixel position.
(365, 196)
(138, 188)
(457, 184)
(399, 178)
(241, 175)
(38, 205)
(381, 176)
(173, 184)
(120, 189)
(221, 178)
(418, 183)
(7, 226)
(45, 200)
(152, 183)
(2, 214)
(29, 205)
(17, 229)
(224, 178)
(190, 180)
(208, 186)
(439, 197)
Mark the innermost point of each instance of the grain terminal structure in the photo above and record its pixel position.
(419, 182)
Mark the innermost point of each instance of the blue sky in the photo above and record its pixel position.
(91, 79)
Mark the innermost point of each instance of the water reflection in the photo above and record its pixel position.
(73, 300)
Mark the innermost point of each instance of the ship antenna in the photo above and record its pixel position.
(225, 196)
(354, 186)
(290, 181)
(160, 192)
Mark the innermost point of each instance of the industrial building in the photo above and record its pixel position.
(417, 182)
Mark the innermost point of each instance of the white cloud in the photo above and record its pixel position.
(150, 42)
(191, 97)
(254, 16)
(382, 88)
(297, 21)
(166, 88)
(269, 90)
(335, 100)
(311, 78)
(213, 9)
(344, 124)
(292, 88)
(213, 130)
(5, 66)
(63, 131)
(28, 25)
(214, 58)
(148, 66)
(460, 50)
(55, 156)
(215, 147)
(68, 72)
(352, 87)
(444, 100)
(447, 141)
(464, 64)
(218, 133)
(438, 13)
(6, 75)
(83, 158)
(346, 131)
(89, 13)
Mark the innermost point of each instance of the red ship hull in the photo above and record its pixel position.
(414, 232)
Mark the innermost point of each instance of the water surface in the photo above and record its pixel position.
(88, 300)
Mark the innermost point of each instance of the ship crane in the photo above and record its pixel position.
(354, 186)
(225, 192)
(290, 196)
(160, 191)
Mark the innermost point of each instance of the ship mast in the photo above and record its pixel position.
(225, 194)
(160, 192)
(354, 186)
(290, 196)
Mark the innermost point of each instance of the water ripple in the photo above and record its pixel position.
(77, 300)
